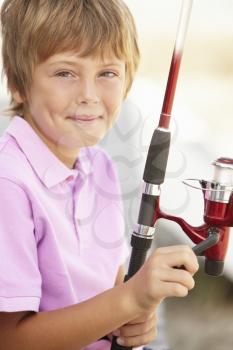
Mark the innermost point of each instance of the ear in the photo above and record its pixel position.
(16, 96)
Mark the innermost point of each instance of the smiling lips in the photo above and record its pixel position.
(84, 118)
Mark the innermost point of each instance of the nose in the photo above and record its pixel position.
(88, 92)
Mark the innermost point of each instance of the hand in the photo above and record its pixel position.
(138, 332)
(159, 278)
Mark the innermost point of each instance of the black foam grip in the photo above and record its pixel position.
(147, 210)
(157, 157)
(140, 247)
(136, 261)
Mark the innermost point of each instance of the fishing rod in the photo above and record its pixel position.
(213, 235)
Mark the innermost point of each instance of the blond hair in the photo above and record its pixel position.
(34, 30)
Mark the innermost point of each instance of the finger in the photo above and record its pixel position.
(177, 276)
(180, 249)
(142, 319)
(130, 330)
(172, 289)
(184, 257)
(172, 249)
(139, 340)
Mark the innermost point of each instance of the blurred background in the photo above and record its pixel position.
(201, 132)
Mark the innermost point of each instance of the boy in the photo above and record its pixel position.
(69, 65)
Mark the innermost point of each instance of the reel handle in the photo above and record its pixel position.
(213, 239)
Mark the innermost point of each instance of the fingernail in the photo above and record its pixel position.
(120, 341)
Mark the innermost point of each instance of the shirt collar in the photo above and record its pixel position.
(47, 166)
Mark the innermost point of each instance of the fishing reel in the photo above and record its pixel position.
(213, 235)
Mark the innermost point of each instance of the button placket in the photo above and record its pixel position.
(75, 189)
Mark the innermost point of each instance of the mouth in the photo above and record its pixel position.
(85, 118)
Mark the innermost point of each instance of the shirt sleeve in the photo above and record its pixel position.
(20, 279)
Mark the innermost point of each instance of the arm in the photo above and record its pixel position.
(72, 327)
(19, 320)
(76, 326)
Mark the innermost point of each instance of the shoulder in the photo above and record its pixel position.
(13, 163)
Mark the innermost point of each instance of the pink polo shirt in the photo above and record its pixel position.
(61, 230)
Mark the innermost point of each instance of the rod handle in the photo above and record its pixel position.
(156, 162)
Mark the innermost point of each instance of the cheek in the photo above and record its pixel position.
(48, 100)
(113, 101)
(115, 111)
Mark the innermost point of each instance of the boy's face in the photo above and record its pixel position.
(73, 101)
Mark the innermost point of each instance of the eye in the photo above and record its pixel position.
(64, 74)
(108, 74)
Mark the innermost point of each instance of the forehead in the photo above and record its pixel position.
(78, 58)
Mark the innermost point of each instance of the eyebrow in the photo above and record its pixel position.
(74, 64)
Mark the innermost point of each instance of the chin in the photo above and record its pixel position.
(90, 140)
(85, 143)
